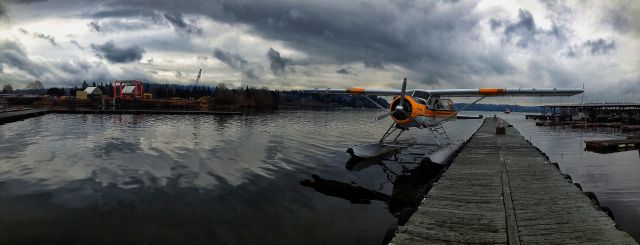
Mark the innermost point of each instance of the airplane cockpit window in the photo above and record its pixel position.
(444, 104)
(420, 94)
(421, 101)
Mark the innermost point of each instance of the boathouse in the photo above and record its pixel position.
(93, 91)
(592, 112)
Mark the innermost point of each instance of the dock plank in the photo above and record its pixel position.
(501, 190)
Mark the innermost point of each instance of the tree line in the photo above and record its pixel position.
(221, 95)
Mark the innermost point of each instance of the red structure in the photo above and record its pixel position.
(132, 89)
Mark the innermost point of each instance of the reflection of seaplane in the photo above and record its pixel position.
(430, 109)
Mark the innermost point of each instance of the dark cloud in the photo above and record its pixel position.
(416, 35)
(237, 62)
(375, 64)
(177, 21)
(433, 41)
(599, 46)
(178, 74)
(118, 25)
(3, 11)
(571, 52)
(345, 71)
(26, 1)
(495, 24)
(134, 73)
(73, 67)
(120, 12)
(624, 17)
(524, 31)
(234, 61)
(525, 23)
(48, 38)
(277, 62)
(23, 31)
(75, 43)
(13, 54)
(115, 54)
(593, 47)
(94, 26)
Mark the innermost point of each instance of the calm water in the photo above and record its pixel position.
(278, 178)
(613, 177)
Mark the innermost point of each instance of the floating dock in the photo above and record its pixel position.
(501, 190)
(7, 117)
(614, 144)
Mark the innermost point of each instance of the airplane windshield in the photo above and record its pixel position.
(444, 104)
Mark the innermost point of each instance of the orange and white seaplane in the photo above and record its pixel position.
(428, 109)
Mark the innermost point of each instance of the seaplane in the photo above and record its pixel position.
(427, 109)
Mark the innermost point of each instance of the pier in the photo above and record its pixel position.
(7, 117)
(500, 189)
(12, 116)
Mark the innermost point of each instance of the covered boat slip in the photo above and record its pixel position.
(501, 190)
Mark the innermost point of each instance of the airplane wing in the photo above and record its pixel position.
(479, 92)
(361, 91)
(503, 92)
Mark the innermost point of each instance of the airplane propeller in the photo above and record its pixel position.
(400, 106)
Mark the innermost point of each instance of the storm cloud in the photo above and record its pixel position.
(524, 31)
(436, 44)
(94, 26)
(600, 46)
(47, 38)
(12, 54)
(116, 54)
(75, 43)
(73, 67)
(345, 71)
(3, 10)
(178, 22)
(237, 62)
(277, 62)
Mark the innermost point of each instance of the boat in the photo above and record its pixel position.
(507, 111)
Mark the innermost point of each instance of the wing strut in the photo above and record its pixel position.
(375, 103)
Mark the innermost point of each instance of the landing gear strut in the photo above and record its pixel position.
(390, 131)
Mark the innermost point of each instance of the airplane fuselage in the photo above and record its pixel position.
(420, 111)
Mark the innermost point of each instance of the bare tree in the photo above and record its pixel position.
(7, 89)
(37, 85)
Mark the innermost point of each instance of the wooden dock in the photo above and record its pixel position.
(614, 144)
(501, 190)
(7, 117)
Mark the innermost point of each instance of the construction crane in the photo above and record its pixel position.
(198, 78)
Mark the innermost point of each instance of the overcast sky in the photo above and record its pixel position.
(331, 43)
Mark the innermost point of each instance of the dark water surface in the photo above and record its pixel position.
(277, 178)
(613, 177)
